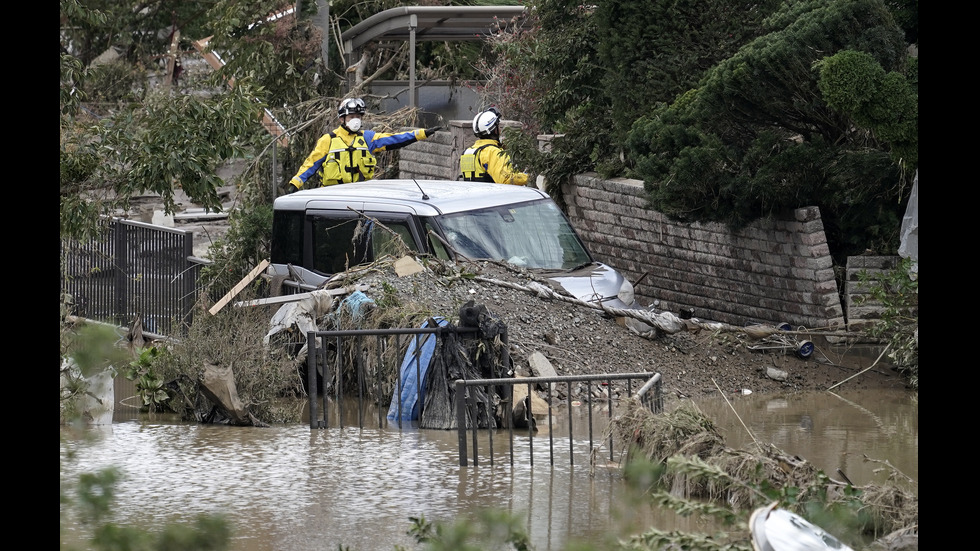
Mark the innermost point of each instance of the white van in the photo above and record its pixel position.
(322, 231)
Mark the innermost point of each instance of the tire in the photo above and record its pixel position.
(804, 349)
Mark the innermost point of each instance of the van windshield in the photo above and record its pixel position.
(533, 235)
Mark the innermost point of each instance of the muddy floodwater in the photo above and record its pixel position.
(293, 488)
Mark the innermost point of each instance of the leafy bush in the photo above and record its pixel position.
(854, 83)
(149, 388)
(757, 136)
(243, 247)
(115, 82)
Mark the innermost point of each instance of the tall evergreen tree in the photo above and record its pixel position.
(655, 50)
(758, 136)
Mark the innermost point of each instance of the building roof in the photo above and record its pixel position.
(430, 23)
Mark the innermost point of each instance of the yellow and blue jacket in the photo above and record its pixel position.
(343, 157)
(486, 161)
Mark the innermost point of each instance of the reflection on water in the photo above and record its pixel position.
(292, 488)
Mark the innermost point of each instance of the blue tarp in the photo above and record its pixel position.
(412, 375)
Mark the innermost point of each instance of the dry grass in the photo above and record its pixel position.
(658, 437)
(267, 383)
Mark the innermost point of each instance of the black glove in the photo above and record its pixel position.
(429, 132)
(289, 188)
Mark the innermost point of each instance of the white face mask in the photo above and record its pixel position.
(354, 125)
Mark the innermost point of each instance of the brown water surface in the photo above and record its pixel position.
(292, 488)
(832, 430)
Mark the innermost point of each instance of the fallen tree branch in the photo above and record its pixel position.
(863, 370)
(665, 321)
(360, 82)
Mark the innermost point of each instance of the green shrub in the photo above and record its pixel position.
(897, 291)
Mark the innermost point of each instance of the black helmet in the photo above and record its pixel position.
(351, 106)
(485, 123)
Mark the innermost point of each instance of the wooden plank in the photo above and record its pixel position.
(213, 60)
(300, 296)
(238, 288)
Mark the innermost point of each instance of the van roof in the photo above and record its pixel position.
(443, 196)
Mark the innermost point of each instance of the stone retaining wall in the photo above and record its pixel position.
(438, 157)
(861, 309)
(772, 272)
(431, 159)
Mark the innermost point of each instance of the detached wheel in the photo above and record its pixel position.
(784, 327)
(804, 349)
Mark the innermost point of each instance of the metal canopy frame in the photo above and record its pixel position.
(429, 24)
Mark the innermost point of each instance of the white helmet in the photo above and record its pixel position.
(351, 106)
(485, 123)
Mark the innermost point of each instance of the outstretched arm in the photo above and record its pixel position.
(380, 141)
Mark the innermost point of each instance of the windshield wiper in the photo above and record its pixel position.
(584, 264)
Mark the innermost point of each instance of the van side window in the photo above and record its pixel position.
(334, 245)
(438, 248)
(394, 242)
(287, 239)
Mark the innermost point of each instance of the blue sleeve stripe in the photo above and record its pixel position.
(312, 170)
(376, 143)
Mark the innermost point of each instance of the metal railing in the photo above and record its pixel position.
(650, 395)
(345, 366)
(386, 361)
(136, 270)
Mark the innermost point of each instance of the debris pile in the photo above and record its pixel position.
(547, 327)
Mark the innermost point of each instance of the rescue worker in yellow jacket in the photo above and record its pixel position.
(486, 160)
(346, 154)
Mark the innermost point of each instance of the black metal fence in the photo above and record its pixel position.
(136, 270)
(364, 360)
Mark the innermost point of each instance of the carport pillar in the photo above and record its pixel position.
(413, 24)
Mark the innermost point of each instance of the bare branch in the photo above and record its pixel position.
(359, 86)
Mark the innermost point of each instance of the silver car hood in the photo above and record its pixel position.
(594, 282)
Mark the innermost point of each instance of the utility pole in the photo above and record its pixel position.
(321, 20)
